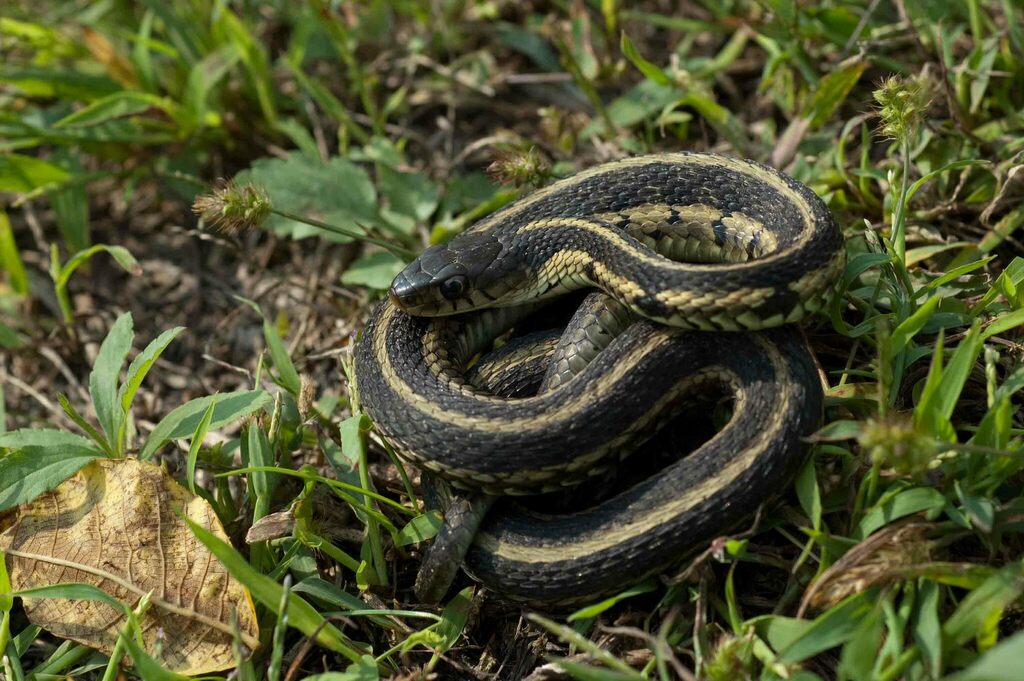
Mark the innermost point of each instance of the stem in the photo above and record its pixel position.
(372, 528)
(114, 664)
(5, 632)
(359, 236)
(901, 663)
(899, 220)
(67, 658)
(865, 500)
(968, 448)
(406, 482)
(60, 289)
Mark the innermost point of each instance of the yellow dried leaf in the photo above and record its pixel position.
(117, 524)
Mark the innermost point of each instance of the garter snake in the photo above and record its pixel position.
(685, 242)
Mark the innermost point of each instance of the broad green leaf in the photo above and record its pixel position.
(645, 67)
(837, 431)
(922, 253)
(596, 609)
(442, 635)
(1003, 323)
(857, 659)
(952, 275)
(1006, 284)
(87, 427)
(351, 430)
(143, 46)
(58, 81)
(955, 374)
(281, 360)
(300, 137)
(984, 605)
(105, 373)
(453, 618)
(831, 91)
(119, 104)
(927, 628)
(10, 258)
(808, 493)
(345, 468)
(6, 600)
(780, 632)
(909, 327)
(720, 118)
(861, 263)
(412, 196)
(183, 420)
(40, 36)
(20, 173)
(1002, 663)
(979, 509)
(120, 254)
(202, 84)
(76, 591)
(420, 528)
(141, 365)
(832, 628)
(926, 412)
(42, 437)
(374, 270)
(905, 503)
(260, 454)
(301, 614)
(30, 470)
(994, 429)
(337, 192)
(529, 44)
(196, 444)
(334, 595)
(637, 104)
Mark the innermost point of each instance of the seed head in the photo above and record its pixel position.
(519, 167)
(233, 208)
(307, 394)
(902, 103)
(895, 443)
(731, 658)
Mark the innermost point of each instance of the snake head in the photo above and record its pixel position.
(468, 273)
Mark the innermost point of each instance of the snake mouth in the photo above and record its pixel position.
(403, 292)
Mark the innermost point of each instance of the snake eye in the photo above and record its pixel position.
(452, 287)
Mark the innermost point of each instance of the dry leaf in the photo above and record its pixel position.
(117, 524)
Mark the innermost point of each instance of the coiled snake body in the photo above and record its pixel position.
(678, 243)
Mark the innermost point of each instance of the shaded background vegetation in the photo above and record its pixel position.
(899, 546)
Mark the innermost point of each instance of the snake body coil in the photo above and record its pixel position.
(760, 251)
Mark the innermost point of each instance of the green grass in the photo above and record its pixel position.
(367, 128)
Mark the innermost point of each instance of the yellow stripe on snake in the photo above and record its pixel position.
(707, 262)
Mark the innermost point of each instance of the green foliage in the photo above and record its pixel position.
(303, 185)
(39, 460)
(61, 273)
(355, 133)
